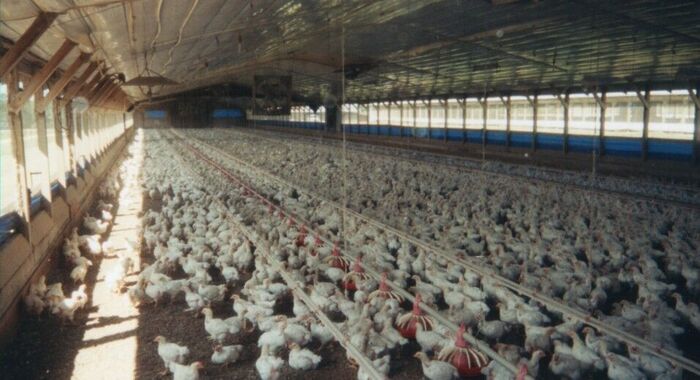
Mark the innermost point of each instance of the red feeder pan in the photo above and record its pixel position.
(336, 260)
(408, 323)
(462, 356)
(357, 274)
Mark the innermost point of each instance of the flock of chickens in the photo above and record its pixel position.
(78, 249)
(631, 265)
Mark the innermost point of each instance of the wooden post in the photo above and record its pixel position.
(485, 117)
(12, 57)
(695, 97)
(601, 100)
(506, 103)
(70, 133)
(57, 87)
(533, 104)
(42, 142)
(430, 118)
(415, 123)
(400, 104)
(565, 104)
(447, 112)
(645, 127)
(17, 141)
(42, 76)
(463, 105)
(58, 137)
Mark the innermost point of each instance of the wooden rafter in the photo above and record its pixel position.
(12, 57)
(42, 76)
(57, 87)
(80, 82)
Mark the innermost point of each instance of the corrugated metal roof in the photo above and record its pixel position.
(397, 48)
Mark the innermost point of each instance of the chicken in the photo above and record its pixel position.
(321, 333)
(268, 365)
(78, 273)
(226, 354)
(565, 366)
(212, 293)
(194, 301)
(435, 369)
(273, 339)
(95, 225)
(34, 303)
(302, 359)
(296, 333)
(217, 328)
(621, 368)
(585, 355)
(54, 294)
(170, 352)
(38, 288)
(185, 372)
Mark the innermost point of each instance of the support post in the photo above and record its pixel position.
(70, 134)
(602, 103)
(430, 118)
(695, 97)
(57, 87)
(447, 112)
(42, 75)
(645, 128)
(400, 104)
(17, 142)
(485, 119)
(463, 105)
(506, 103)
(415, 123)
(43, 144)
(14, 55)
(565, 104)
(533, 104)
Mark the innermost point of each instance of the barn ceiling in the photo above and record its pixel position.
(391, 49)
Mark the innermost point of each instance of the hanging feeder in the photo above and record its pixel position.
(408, 323)
(336, 260)
(462, 356)
(385, 291)
(356, 275)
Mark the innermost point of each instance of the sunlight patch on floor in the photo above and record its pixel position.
(110, 342)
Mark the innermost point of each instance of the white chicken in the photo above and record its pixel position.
(217, 328)
(302, 359)
(436, 369)
(95, 225)
(80, 271)
(226, 354)
(170, 352)
(185, 372)
(268, 365)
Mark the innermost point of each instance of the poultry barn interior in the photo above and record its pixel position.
(370, 189)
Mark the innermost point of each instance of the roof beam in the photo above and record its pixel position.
(80, 82)
(98, 90)
(43, 75)
(12, 57)
(109, 90)
(57, 87)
